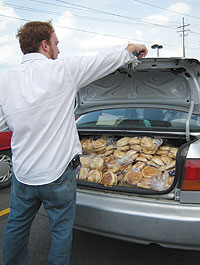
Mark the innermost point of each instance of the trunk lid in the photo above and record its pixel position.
(156, 82)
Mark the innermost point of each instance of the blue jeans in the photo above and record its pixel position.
(59, 200)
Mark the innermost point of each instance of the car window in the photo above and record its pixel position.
(138, 118)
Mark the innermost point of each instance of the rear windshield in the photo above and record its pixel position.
(138, 118)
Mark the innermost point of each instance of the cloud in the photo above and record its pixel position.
(165, 17)
(168, 33)
(139, 35)
(8, 27)
(65, 35)
(65, 21)
(6, 23)
(153, 34)
(99, 42)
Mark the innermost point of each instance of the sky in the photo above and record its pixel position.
(88, 26)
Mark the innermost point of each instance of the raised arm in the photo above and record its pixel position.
(86, 69)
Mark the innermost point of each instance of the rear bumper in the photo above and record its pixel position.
(138, 219)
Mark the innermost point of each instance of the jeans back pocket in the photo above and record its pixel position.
(62, 191)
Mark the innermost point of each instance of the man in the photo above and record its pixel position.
(37, 105)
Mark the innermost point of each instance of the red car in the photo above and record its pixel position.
(5, 159)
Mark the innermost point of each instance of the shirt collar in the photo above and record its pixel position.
(33, 56)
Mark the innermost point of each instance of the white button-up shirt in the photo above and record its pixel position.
(37, 105)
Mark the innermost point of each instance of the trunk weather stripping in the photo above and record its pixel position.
(189, 115)
(187, 125)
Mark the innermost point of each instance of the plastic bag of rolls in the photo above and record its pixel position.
(143, 162)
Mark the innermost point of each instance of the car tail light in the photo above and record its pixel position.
(191, 179)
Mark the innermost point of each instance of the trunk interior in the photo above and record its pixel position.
(131, 163)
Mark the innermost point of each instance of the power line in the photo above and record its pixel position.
(83, 8)
(81, 17)
(138, 20)
(98, 33)
(194, 26)
(172, 11)
(80, 30)
(42, 2)
(144, 21)
(197, 33)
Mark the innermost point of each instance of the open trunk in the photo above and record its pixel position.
(157, 107)
(132, 163)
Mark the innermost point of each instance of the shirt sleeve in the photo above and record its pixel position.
(86, 69)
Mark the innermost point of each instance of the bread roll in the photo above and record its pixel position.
(101, 153)
(111, 147)
(134, 140)
(99, 143)
(109, 159)
(157, 160)
(131, 155)
(166, 159)
(168, 182)
(85, 161)
(123, 148)
(151, 163)
(148, 157)
(146, 181)
(139, 165)
(109, 152)
(132, 177)
(95, 176)
(119, 154)
(147, 143)
(173, 152)
(83, 173)
(164, 147)
(97, 163)
(101, 149)
(145, 184)
(162, 152)
(123, 141)
(149, 171)
(151, 143)
(141, 158)
(136, 147)
(131, 152)
(148, 152)
(170, 165)
(173, 149)
(87, 145)
(112, 165)
(109, 178)
(124, 168)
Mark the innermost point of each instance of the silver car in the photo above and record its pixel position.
(147, 117)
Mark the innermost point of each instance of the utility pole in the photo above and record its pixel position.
(183, 30)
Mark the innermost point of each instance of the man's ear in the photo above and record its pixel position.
(44, 45)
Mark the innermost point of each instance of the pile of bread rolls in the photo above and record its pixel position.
(143, 162)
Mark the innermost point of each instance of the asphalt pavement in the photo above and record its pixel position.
(89, 249)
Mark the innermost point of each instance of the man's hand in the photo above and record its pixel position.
(139, 49)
